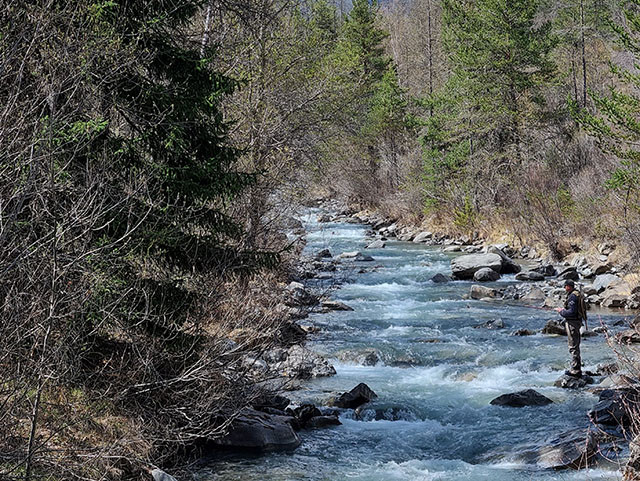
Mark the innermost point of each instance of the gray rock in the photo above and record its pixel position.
(605, 281)
(528, 397)
(359, 395)
(376, 244)
(301, 363)
(440, 278)
(481, 292)
(160, 475)
(492, 324)
(324, 218)
(366, 357)
(573, 450)
(508, 265)
(328, 306)
(464, 267)
(546, 270)
(452, 249)
(323, 421)
(523, 332)
(616, 407)
(554, 327)
(485, 275)
(569, 273)
(535, 294)
(569, 382)
(422, 237)
(323, 254)
(257, 431)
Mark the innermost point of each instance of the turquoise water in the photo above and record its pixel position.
(437, 375)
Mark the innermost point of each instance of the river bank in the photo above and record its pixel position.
(417, 344)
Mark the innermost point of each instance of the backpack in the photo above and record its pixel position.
(582, 306)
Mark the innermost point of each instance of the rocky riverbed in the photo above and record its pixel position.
(436, 344)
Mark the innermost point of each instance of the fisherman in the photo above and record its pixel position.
(573, 314)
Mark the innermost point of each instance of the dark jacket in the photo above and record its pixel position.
(570, 311)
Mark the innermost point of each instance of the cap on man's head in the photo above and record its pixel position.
(569, 282)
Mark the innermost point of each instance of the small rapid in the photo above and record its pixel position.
(437, 374)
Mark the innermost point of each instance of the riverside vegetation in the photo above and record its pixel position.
(151, 153)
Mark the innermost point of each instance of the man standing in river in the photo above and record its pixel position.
(573, 315)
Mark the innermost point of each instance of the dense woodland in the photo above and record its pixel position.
(150, 153)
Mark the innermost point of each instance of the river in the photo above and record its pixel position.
(436, 379)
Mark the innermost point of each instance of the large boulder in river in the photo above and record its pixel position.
(616, 407)
(359, 395)
(464, 267)
(258, 431)
(486, 275)
(440, 279)
(554, 327)
(528, 397)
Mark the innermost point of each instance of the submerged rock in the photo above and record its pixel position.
(377, 244)
(359, 395)
(523, 332)
(528, 397)
(440, 278)
(492, 324)
(258, 431)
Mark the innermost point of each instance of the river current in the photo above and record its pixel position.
(437, 375)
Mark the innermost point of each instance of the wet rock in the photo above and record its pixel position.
(529, 276)
(570, 450)
(508, 266)
(492, 324)
(481, 292)
(324, 218)
(323, 421)
(271, 401)
(422, 237)
(328, 306)
(464, 267)
(256, 431)
(523, 332)
(323, 254)
(554, 327)
(377, 244)
(299, 296)
(301, 363)
(616, 407)
(569, 382)
(366, 357)
(546, 270)
(569, 273)
(304, 413)
(440, 278)
(359, 395)
(528, 397)
(535, 294)
(486, 275)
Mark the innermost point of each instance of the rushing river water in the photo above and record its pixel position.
(437, 376)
